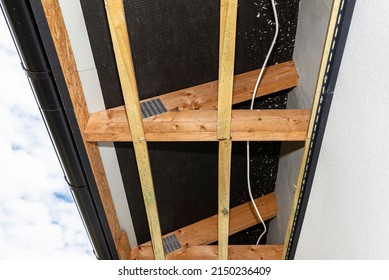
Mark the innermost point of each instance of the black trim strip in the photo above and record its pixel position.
(333, 65)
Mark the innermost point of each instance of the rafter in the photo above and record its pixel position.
(204, 97)
(257, 125)
(241, 217)
(209, 252)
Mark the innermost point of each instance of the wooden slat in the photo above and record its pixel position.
(257, 125)
(223, 22)
(224, 178)
(124, 246)
(226, 66)
(228, 19)
(241, 217)
(204, 97)
(122, 49)
(66, 59)
(208, 252)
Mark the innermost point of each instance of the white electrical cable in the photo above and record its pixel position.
(251, 108)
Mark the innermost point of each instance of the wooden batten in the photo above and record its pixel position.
(224, 182)
(228, 18)
(65, 55)
(122, 49)
(204, 97)
(246, 125)
(124, 245)
(241, 217)
(210, 252)
(228, 22)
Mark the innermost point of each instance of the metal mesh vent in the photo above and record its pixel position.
(152, 108)
(170, 243)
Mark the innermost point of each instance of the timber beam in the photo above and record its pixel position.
(241, 217)
(204, 97)
(209, 252)
(258, 125)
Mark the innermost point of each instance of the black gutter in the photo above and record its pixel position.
(322, 113)
(58, 116)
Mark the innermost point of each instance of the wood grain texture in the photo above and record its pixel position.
(123, 56)
(65, 55)
(241, 217)
(123, 248)
(224, 178)
(204, 97)
(209, 252)
(256, 125)
(228, 21)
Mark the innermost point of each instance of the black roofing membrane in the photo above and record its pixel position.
(175, 44)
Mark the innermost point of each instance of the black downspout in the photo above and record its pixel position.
(22, 24)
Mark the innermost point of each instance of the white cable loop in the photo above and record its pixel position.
(251, 108)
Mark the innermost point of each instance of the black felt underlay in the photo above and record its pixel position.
(175, 45)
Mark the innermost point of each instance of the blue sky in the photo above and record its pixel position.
(38, 219)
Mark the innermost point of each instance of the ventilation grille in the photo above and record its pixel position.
(152, 108)
(170, 243)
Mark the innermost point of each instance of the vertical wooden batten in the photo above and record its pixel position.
(228, 21)
(122, 49)
(224, 174)
(65, 55)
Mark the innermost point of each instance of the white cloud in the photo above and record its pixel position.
(38, 219)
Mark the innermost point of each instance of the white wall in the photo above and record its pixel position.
(311, 30)
(349, 204)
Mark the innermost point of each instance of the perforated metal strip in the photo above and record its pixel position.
(152, 107)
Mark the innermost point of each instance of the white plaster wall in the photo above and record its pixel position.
(311, 30)
(349, 204)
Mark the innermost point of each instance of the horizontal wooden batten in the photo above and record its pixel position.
(241, 217)
(204, 97)
(209, 252)
(258, 125)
